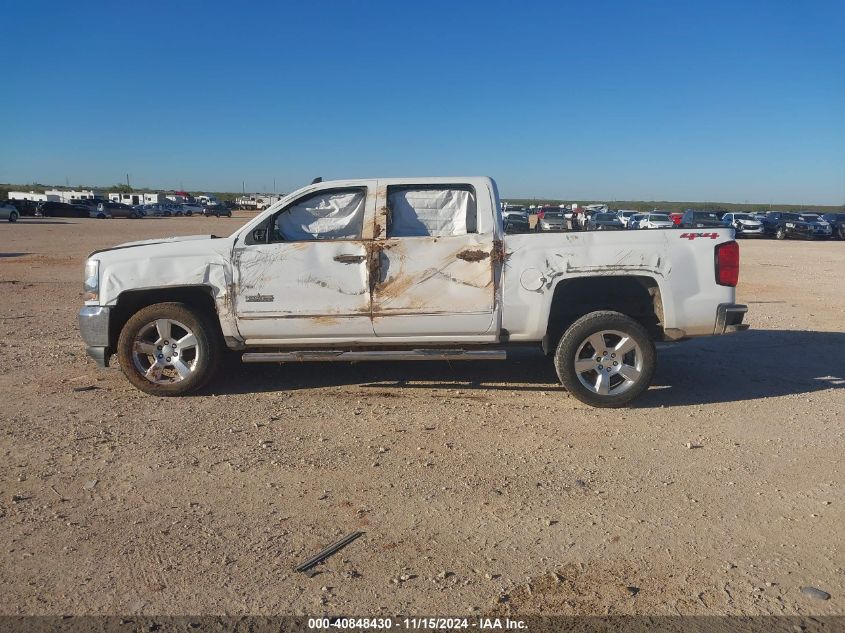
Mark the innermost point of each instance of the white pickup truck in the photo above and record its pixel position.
(406, 269)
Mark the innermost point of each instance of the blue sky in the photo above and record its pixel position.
(713, 100)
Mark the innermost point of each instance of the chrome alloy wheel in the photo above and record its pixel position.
(609, 362)
(165, 351)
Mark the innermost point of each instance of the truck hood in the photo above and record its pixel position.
(161, 240)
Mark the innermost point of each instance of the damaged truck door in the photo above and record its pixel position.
(304, 271)
(434, 272)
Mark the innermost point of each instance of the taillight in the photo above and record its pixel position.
(727, 264)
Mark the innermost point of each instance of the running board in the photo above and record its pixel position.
(350, 356)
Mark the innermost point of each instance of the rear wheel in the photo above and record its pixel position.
(605, 359)
(780, 233)
(167, 349)
(13, 216)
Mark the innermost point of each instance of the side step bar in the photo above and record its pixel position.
(350, 356)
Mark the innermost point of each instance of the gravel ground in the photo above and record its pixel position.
(481, 488)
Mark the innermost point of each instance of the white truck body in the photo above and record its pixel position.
(472, 286)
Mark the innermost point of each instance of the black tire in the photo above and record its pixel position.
(208, 347)
(780, 233)
(13, 216)
(189, 213)
(576, 336)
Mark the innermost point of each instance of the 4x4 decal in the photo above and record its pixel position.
(692, 236)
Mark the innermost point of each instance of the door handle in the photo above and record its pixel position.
(349, 259)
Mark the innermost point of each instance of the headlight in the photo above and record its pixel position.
(91, 286)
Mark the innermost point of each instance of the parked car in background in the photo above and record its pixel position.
(217, 210)
(656, 221)
(605, 222)
(551, 219)
(694, 219)
(797, 225)
(24, 207)
(119, 210)
(819, 224)
(189, 209)
(159, 210)
(61, 210)
(837, 224)
(624, 215)
(634, 220)
(515, 220)
(743, 224)
(9, 212)
(676, 217)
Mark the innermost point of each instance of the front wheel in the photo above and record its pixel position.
(167, 349)
(605, 359)
(781, 233)
(13, 216)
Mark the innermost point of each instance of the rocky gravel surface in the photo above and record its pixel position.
(480, 487)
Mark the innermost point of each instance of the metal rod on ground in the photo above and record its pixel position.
(331, 549)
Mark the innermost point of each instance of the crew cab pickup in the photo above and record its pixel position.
(406, 269)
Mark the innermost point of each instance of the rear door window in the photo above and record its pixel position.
(430, 211)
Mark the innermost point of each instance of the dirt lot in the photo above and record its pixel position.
(480, 487)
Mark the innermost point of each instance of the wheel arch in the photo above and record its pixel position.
(637, 296)
(198, 297)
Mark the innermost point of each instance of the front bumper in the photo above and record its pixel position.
(94, 329)
(729, 318)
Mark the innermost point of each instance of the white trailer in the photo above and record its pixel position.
(134, 198)
(28, 195)
(70, 195)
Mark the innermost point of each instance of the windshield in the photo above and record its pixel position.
(659, 217)
(809, 217)
(790, 216)
(742, 216)
(606, 217)
(701, 215)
